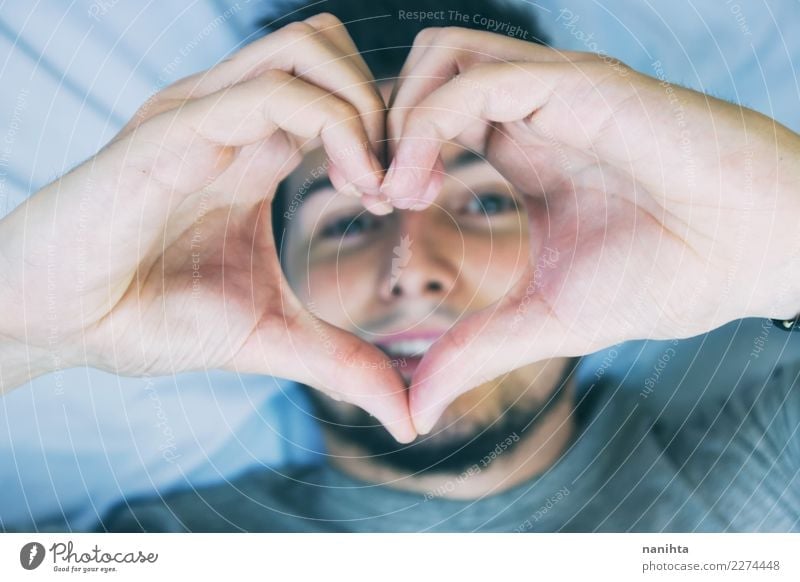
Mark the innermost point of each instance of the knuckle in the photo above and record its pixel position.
(450, 36)
(153, 107)
(614, 62)
(324, 19)
(339, 109)
(274, 77)
(296, 31)
(375, 105)
(425, 36)
(275, 83)
(605, 63)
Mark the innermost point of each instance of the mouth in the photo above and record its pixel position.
(406, 351)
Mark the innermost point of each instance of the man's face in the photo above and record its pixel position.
(402, 280)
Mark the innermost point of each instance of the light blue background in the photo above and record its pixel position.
(74, 72)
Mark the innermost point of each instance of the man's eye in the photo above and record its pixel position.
(491, 204)
(350, 226)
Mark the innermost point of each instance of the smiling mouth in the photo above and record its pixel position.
(406, 354)
(411, 348)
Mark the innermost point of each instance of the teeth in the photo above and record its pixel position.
(409, 348)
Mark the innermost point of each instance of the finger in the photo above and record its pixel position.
(251, 111)
(520, 329)
(375, 203)
(420, 200)
(310, 351)
(298, 49)
(182, 152)
(353, 370)
(291, 342)
(441, 54)
(429, 65)
(418, 49)
(327, 57)
(335, 31)
(486, 93)
(473, 353)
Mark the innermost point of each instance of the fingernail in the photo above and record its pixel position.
(350, 190)
(404, 203)
(387, 179)
(431, 191)
(426, 426)
(372, 181)
(404, 439)
(428, 196)
(377, 205)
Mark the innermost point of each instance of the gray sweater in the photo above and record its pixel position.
(736, 467)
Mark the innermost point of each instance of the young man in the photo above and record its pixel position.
(522, 222)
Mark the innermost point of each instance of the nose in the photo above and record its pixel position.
(422, 264)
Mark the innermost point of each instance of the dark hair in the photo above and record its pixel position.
(384, 31)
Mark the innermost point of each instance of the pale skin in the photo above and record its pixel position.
(185, 189)
(656, 240)
(595, 155)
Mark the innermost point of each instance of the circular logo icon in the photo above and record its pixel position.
(31, 555)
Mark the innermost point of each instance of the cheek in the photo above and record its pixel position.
(343, 291)
(492, 265)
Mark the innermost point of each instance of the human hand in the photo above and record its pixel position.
(655, 211)
(156, 256)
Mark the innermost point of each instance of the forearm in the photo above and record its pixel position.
(26, 349)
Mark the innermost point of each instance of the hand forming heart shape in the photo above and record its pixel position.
(639, 197)
(649, 196)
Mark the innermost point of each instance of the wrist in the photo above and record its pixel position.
(20, 363)
(777, 259)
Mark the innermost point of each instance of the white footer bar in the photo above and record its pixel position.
(401, 557)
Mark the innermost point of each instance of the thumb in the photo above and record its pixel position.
(310, 351)
(518, 330)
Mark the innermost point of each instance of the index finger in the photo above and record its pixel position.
(499, 92)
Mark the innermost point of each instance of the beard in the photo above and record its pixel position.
(452, 450)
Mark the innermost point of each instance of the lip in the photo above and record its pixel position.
(406, 364)
(386, 339)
